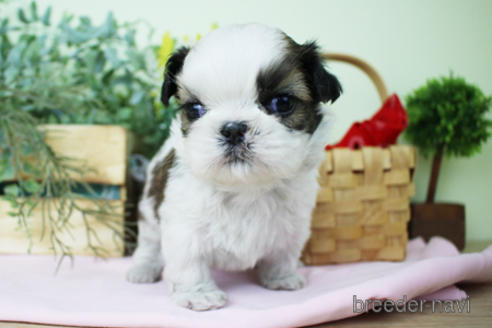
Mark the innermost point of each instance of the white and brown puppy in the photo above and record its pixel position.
(234, 185)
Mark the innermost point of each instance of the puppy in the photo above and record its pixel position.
(234, 185)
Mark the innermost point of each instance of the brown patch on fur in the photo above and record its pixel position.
(300, 74)
(160, 174)
(140, 215)
(285, 78)
(305, 117)
(185, 96)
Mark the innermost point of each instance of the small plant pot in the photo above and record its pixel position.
(438, 219)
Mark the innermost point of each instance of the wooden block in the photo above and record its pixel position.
(14, 240)
(101, 147)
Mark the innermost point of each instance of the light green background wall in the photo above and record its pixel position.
(407, 41)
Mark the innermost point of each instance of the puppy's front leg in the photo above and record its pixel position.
(278, 271)
(147, 259)
(191, 284)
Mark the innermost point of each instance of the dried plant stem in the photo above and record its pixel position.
(55, 197)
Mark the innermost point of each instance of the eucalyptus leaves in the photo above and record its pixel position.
(77, 72)
(71, 71)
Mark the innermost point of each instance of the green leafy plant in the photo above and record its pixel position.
(447, 116)
(78, 72)
(71, 72)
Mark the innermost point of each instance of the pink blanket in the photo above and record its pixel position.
(94, 292)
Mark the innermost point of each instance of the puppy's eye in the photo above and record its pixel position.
(282, 105)
(194, 110)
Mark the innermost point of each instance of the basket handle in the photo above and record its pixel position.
(365, 67)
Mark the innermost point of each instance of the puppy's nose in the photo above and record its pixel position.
(234, 132)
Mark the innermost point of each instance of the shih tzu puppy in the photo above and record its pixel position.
(234, 185)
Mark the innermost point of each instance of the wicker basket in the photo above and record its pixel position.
(363, 203)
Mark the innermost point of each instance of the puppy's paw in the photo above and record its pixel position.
(290, 282)
(144, 273)
(200, 300)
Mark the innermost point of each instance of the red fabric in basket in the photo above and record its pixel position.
(381, 130)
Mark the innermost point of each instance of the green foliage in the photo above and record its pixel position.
(71, 72)
(78, 72)
(448, 113)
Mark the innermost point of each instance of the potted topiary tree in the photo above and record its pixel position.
(446, 117)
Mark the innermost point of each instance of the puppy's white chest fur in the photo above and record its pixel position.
(234, 230)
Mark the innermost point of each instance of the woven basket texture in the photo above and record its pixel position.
(363, 205)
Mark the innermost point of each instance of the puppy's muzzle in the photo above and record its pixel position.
(233, 132)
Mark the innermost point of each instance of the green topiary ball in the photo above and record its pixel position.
(448, 114)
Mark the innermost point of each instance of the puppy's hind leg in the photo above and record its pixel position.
(147, 260)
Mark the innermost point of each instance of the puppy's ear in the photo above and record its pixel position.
(173, 67)
(324, 86)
